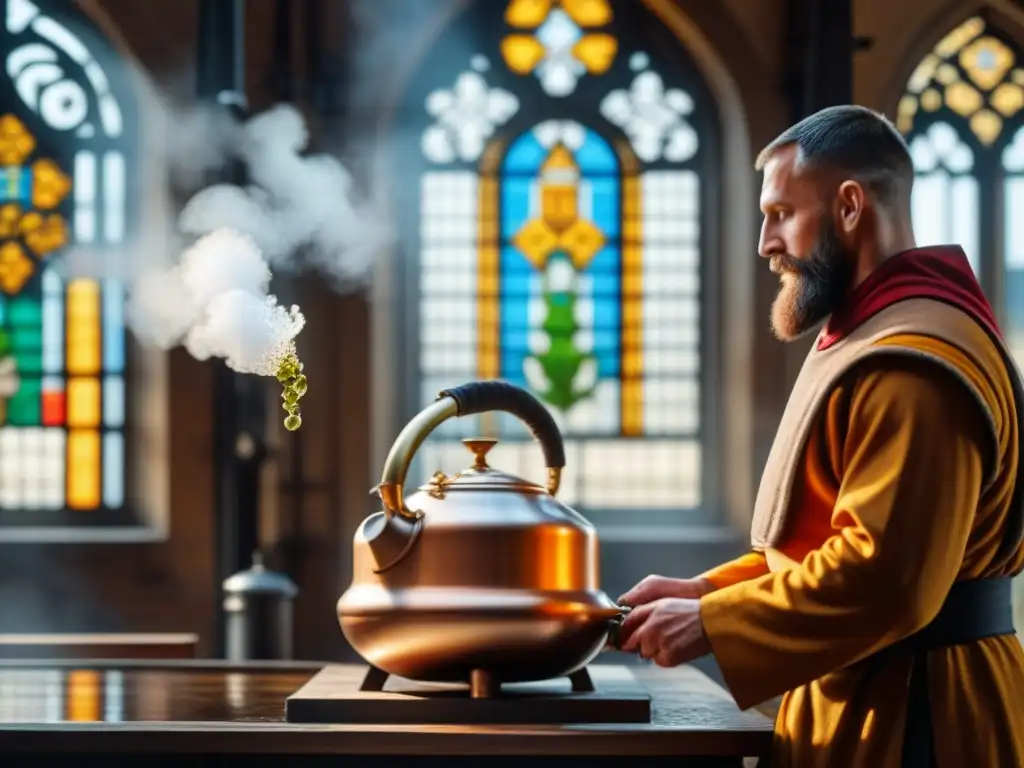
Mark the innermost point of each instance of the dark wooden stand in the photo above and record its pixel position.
(339, 694)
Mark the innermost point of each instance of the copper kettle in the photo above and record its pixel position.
(481, 577)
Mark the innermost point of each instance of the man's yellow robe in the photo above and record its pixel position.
(887, 513)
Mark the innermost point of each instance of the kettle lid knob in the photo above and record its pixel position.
(480, 446)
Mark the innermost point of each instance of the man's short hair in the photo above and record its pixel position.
(855, 141)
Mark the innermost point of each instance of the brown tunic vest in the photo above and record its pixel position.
(822, 371)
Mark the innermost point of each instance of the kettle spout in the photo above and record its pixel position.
(390, 536)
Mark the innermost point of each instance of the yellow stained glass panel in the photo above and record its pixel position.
(986, 60)
(44, 234)
(10, 218)
(931, 100)
(83, 327)
(536, 240)
(632, 310)
(15, 267)
(597, 52)
(16, 143)
(50, 184)
(559, 195)
(947, 74)
(521, 53)
(963, 99)
(559, 205)
(83, 407)
(923, 73)
(83, 696)
(588, 13)
(905, 113)
(1008, 98)
(83, 469)
(986, 125)
(488, 322)
(527, 14)
(960, 36)
(582, 240)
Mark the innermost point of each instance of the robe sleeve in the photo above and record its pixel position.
(910, 479)
(745, 567)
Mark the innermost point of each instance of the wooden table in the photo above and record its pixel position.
(58, 713)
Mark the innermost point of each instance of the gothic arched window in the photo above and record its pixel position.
(963, 117)
(561, 192)
(67, 139)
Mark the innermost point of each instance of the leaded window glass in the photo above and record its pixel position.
(66, 165)
(560, 184)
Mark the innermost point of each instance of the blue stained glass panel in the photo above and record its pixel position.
(605, 286)
(515, 203)
(113, 401)
(516, 275)
(599, 181)
(604, 204)
(113, 327)
(15, 185)
(596, 157)
(605, 261)
(524, 157)
(53, 327)
(1015, 298)
(516, 271)
(605, 295)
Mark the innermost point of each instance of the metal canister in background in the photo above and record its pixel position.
(258, 614)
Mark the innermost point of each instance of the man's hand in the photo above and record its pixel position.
(653, 588)
(669, 631)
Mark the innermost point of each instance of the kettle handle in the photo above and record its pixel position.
(467, 400)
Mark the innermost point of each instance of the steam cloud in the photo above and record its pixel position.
(216, 301)
(298, 211)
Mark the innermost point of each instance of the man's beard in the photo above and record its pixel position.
(812, 287)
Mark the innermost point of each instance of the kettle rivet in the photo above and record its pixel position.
(480, 446)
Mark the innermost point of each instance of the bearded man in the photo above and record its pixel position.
(889, 516)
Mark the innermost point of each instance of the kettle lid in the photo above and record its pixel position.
(258, 579)
(481, 476)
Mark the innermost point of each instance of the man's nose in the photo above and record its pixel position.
(768, 242)
(768, 247)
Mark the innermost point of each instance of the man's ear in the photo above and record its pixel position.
(850, 204)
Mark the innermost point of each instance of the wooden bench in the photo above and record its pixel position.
(99, 646)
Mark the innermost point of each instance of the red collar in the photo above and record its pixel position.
(939, 272)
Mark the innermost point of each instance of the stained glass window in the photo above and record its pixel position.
(561, 244)
(64, 163)
(963, 115)
(1012, 158)
(961, 108)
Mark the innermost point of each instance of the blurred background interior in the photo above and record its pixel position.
(568, 202)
